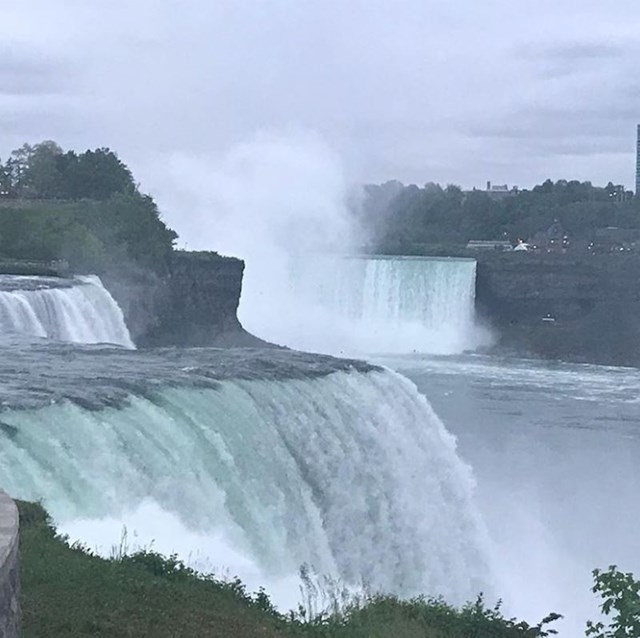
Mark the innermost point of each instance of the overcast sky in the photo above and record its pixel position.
(455, 91)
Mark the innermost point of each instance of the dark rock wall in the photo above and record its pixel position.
(194, 303)
(594, 301)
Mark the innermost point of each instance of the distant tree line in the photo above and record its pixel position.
(82, 207)
(403, 218)
(45, 171)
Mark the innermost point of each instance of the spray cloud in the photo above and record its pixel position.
(281, 203)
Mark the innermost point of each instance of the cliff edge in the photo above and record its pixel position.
(583, 308)
(194, 303)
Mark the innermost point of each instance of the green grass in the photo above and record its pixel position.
(68, 592)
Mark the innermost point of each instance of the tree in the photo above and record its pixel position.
(5, 181)
(95, 174)
(93, 215)
(16, 167)
(621, 595)
(419, 219)
(42, 177)
(45, 171)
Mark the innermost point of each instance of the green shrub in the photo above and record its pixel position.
(32, 514)
(620, 592)
(67, 591)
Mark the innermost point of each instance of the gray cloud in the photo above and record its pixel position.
(24, 74)
(417, 90)
(560, 61)
(588, 51)
(548, 123)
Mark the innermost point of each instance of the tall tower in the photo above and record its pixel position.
(638, 163)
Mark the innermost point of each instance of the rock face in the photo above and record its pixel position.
(576, 308)
(193, 304)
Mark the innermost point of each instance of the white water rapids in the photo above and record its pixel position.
(351, 472)
(80, 310)
(347, 470)
(253, 462)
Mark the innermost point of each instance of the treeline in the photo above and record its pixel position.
(45, 171)
(84, 208)
(403, 218)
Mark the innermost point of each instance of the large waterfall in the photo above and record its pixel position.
(79, 310)
(347, 470)
(369, 304)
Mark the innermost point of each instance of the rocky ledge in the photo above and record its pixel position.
(194, 303)
(576, 308)
(582, 307)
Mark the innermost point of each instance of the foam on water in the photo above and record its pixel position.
(351, 472)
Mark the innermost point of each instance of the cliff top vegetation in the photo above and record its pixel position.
(67, 592)
(406, 219)
(46, 171)
(84, 208)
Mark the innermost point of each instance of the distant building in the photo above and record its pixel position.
(617, 193)
(552, 240)
(491, 244)
(499, 191)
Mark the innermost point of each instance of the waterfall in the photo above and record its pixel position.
(434, 293)
(351, 472)
(79, 310)
(373, 304)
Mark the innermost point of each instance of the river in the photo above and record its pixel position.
(554, 449)
(444, 475)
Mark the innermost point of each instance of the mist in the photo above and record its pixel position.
(270, 201)
(282, 202)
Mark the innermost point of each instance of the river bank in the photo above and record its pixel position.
(68, 592)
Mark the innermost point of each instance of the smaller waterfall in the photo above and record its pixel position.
(369, 304)
(79, 310)
(435, 293)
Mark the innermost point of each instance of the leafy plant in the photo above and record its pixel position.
(70, 591)
(620, 592)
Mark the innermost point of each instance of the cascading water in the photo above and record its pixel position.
(369, 304)
(283, 205)
(344, 468)
(384, 294)
(79, 310)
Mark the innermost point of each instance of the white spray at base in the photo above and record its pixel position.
(352, 473)
(282, 204)
(376, 304)
(79, 310)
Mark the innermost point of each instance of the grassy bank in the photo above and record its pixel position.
(67, 592)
